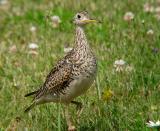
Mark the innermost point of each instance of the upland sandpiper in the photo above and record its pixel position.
(72, 75)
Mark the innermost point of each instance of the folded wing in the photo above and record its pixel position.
(57, 80)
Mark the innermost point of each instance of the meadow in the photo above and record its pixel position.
(125, 94)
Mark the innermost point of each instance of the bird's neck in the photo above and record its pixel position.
(80, 38)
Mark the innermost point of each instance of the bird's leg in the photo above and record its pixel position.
(79, 107)
(70, 125)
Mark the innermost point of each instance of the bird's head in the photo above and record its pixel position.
(82, 18)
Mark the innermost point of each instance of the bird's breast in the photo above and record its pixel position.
(77, 87)
(83, 77)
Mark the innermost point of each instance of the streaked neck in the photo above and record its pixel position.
(80, 38)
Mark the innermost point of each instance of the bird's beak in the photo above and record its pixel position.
(89, 21)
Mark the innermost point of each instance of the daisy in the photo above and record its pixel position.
(152, 124)
(128, 16)
(150, 32)
(55, 21)
(148, 8)
(33, 29)
(3, 2)
(33, 46)
(119, 65)
(157, 10)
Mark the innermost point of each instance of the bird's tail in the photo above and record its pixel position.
(30, 107)
(31, 93)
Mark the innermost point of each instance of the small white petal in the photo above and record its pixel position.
(157, 10)
(120, 62)
(158, 122)
(3, 2)
(33, 29)
(148, 7)
(150, 32)
(33, 46)
(55, 19)
(128, 16)
(151, 124)
(120, 65)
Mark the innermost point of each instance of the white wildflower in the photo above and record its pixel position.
(33, 29)
(33, 46)
(55, 21)
(152, 124)
(148, 8)
(119, 65)
(3, 2)
(157, 10)
(128, 16)
(67, 49)
(150, 32)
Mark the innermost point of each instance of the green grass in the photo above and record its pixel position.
(136, 94)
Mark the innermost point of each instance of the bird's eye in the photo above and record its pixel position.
(78, 16)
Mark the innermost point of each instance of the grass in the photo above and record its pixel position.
(136, 94)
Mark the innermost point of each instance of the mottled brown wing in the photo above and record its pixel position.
(57, 80)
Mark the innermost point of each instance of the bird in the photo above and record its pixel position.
(72, 75)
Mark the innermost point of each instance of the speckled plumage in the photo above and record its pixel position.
(71, 76)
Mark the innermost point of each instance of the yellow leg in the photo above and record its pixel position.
(70, 125)
(79, 107)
